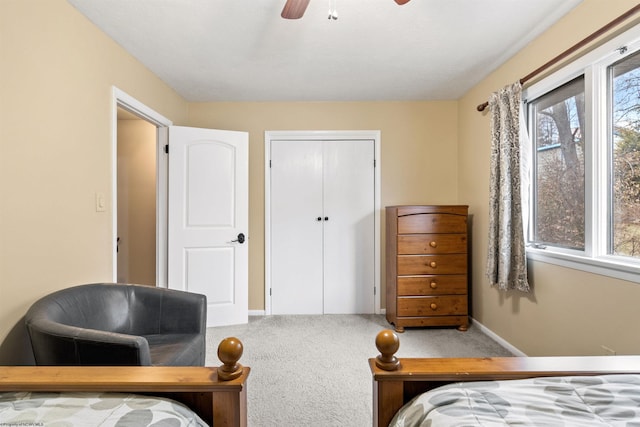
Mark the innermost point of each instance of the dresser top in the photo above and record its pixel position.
(419, 209)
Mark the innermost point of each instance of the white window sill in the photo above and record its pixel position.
(615, 268)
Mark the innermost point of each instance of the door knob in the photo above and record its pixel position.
(240, 238)
(319, 218)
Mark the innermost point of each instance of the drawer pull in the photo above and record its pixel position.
(433, 264)
(433, 244)
(434, 306)
(433, 285)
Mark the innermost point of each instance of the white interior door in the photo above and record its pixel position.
(296, 227)
(322, 226)
(208, 219)
(349, 228)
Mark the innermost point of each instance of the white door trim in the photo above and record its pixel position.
(123, 100)
(319, 135)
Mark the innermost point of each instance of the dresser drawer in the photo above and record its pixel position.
(432, 223)
(432, 244)
(432, 306)
(432, 264)
(432, 285)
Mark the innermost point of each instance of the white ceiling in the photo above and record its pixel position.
(242, 50)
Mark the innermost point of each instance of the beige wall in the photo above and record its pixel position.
(569, 312)
(136, 202)
(55, 152)
(418, 150)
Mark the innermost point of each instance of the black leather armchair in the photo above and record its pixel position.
(108, 324)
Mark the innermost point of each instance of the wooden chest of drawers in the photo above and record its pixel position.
(427, 278)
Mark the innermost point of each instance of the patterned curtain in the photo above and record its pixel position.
(507, 260)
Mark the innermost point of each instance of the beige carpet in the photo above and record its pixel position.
(313, 371)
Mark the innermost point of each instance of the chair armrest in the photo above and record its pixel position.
(111, 348)
(58, 344)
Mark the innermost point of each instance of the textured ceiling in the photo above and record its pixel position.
(242, 50)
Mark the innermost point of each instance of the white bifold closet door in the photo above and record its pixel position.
(322, 227)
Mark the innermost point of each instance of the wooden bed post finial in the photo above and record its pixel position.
(229, 352)
(388, 344)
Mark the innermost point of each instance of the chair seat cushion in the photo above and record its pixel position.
(176, 349)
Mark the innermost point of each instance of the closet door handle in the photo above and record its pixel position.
(319, 218)
(326, 218)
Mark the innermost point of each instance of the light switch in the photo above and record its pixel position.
(101, 202)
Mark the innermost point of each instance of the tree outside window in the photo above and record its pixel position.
(559, 196)
(625, 148)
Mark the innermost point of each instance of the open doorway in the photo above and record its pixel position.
(136, 199)
(147, 131)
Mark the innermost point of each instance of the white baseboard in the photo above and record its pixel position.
(263, 312)
(256, 312)
(498, 338)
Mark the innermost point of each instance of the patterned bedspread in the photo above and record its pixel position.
(607, 400)
(93, 409)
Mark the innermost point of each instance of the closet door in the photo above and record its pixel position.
(296, 232)
(349, 235)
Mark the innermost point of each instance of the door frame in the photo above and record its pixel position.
(320, 135)
(129, 103)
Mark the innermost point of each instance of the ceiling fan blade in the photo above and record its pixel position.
(294, 9)
(401, 2)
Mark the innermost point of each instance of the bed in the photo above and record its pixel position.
(128, 395)
(531, 390)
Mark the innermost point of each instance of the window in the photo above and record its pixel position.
(584, 127)
(559, 159)
(625, 151)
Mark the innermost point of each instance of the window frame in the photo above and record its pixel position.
(594, 66)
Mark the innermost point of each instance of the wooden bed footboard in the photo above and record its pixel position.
(217, 395)
(397, 381)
